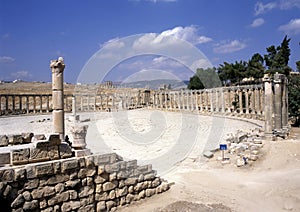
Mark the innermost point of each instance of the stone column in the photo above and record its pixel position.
(217, 99)
(6, 103)
(278, 102)
(47, 103)
(229, 102)
(0, 105)
(240, 91)
(57, 67)
(41, 104)
(206, 100)
(253, 100)
(27, 104)
(222, 100)
(79, 143)
(246, 100)
(268, 108)
(20, 103)
(34, 104)
(13, 103)
(285, 113)
(211, 101)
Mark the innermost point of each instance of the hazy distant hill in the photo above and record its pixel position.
(155, 84)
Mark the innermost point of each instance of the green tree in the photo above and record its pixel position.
(204, 78)
(277, 58)
(294, 98)
(256, 67)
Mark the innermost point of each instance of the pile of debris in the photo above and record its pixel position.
(241, 148)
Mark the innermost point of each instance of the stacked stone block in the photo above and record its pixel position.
(91, 183)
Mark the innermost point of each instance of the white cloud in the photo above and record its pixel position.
(6, 59)
(21, 75)
(292, 27)
(113, 44)
(257, 22)
(189, 33)
(230, 47)
(288, 4)
(261, 8)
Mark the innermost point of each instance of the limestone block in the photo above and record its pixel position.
(110, 185)
(122, 201)
(5, 158)
(144, 169)
(38, 137)
(131, 181)
(156, 182)
(112, 194)
(84, 172)
(150, 192)
(121, 191)
(69, 165)
(20, 156)
(72, 183)
(43, 204)
(110, 204)
(38, 154)
(130, 189)
(101, 196)
(59, 188)
(30, 206)
(48, 191)
(110, 168)
(58, 198)
(85, 191)
(101, 206)
(55, 179)
(101, 178)
(27, 195)
(57, 100)
(122, 175)
(141, 178)
(86, 208)
(99, 188)
(15, 139)
(38, 193)
(52, 153)
(70, 206)
(65, 150)
(142, 194)
(57, 80)
(112, 176)
(121, 183)
(4, 140)
(131, 164)
(129, 198)
(102, 159)
(31, 184)
(44, 169)
(20, 174)
(150, 176)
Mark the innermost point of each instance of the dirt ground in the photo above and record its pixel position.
(270, 184)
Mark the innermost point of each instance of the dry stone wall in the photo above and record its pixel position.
(91, 183)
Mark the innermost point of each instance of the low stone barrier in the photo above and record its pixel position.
(90, 183)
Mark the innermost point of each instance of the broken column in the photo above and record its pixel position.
(57, 67)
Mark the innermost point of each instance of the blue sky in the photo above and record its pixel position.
(33, 32)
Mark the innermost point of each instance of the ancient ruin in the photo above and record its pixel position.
(48, 173)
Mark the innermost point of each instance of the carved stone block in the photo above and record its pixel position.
(20, 156)
(65, 150)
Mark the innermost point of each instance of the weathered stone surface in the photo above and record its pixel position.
(156, 182)
(69, 206)
(7, 191)
(85, 191)
(31, 184)
(5, 158)
(72, 183)
(87, 200)
(60, 187)
(150, 192)
(142, 194)
(6, 175)
(112, 194)
(44, 169)
(113, 176)
(20, 174)
(69, 165)
(121, 191)
(43, 204)
(101, 178)
(102, 159)
(18, 201)
(27, 195)
(131, 164)
(99, 188)
(109, 185)
(3, 140)
(131, 181)
(110, 204)
(58, 198)
(101, 196)
(150, 176)
(86, 172)
(20, 156)
(58, 178)
(15, 139)
(27, 137)
(101, 206)
(29, 206)
(129, 198)
(87, 208)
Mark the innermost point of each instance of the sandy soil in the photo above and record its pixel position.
(270, 184)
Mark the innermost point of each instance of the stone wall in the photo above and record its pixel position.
(91, 183)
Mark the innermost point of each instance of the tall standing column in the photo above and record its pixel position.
(240, 91)
(222, 100)
(57, 67)
(246, 100)
(211, 101)
(284, 103)
(278, 102)
(268, 108)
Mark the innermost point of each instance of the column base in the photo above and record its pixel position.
(269, 137)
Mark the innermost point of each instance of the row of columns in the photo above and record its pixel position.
(244, 100)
